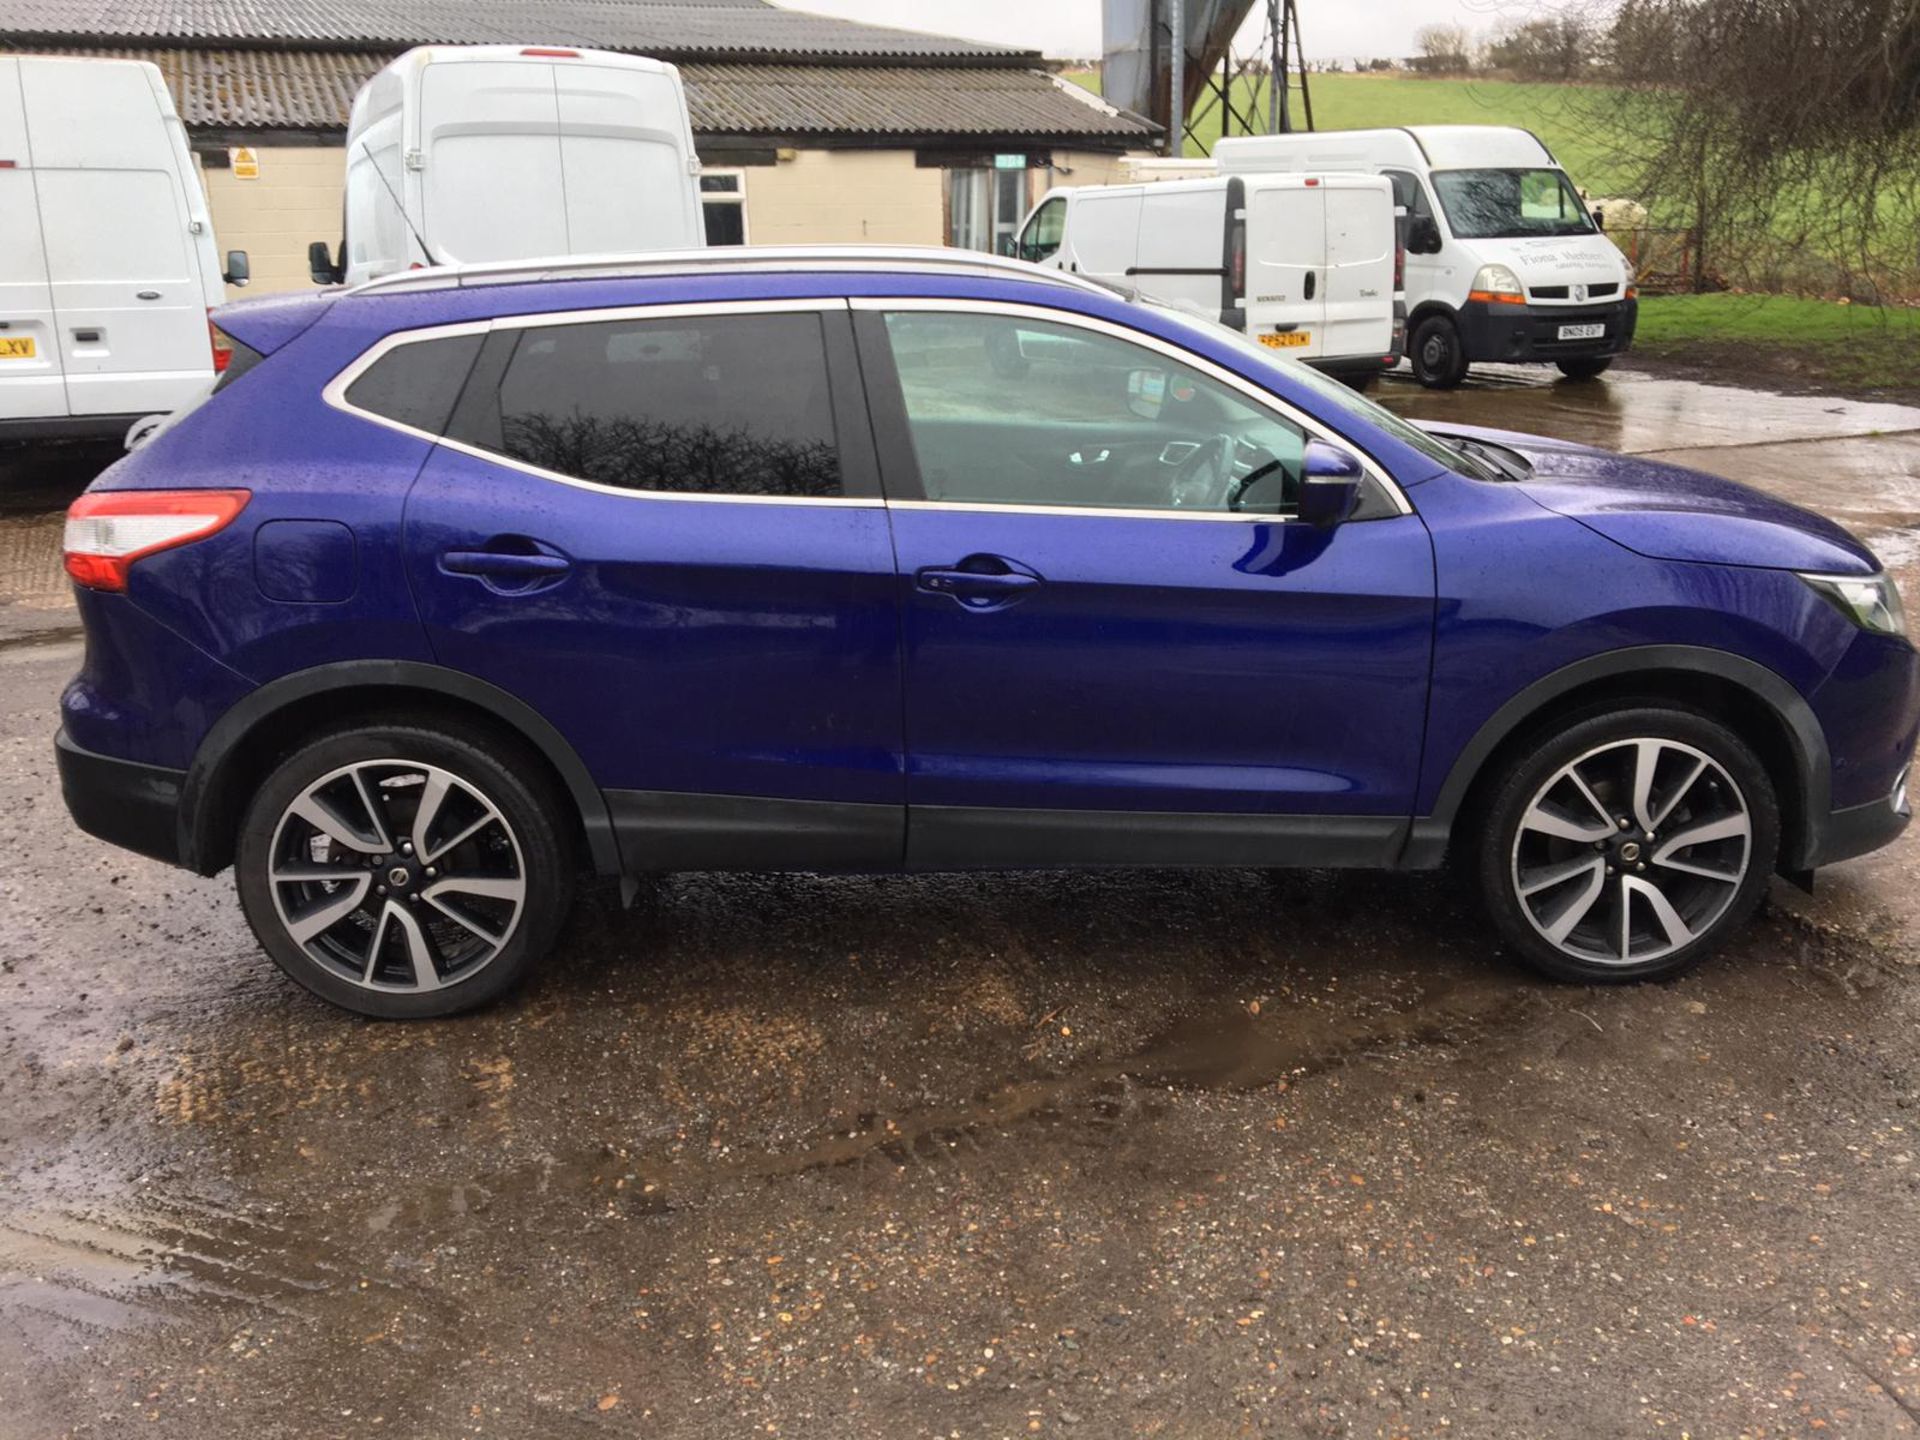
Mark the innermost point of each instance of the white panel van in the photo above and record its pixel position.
(1503, 260)
(107, 258)
(1306, 264)
(465, 153)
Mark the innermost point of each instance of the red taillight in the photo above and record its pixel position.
(222, 348)
(108, 530)
(1237, 259)
(553, 54)
(1399, 266)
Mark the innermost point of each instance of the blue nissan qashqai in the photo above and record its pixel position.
(465, 580)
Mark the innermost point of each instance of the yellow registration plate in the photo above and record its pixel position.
(1288, 339)
(16, 347)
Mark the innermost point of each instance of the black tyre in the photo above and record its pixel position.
(1626, 845)
(1438, 354)
(1591, 369)
(402, 871)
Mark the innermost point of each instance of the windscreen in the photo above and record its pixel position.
(1511, 204)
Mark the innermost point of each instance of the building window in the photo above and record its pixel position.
(723, 203)
(985, 208)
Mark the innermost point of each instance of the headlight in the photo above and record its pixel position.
(1498, 282)
(1871, 601)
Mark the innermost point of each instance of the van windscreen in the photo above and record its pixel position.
(1511, 204)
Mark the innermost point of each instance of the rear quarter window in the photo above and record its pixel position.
(417, 383)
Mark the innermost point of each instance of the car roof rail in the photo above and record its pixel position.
(727, 260)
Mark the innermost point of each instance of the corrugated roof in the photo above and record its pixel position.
(314, 89)
(669, 29)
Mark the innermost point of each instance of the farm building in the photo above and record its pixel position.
(810, 129)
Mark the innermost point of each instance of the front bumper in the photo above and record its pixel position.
(1532, 332)
(121, 801)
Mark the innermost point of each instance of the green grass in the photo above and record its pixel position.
(1819, 342)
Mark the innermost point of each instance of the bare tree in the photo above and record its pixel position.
(1443, 50)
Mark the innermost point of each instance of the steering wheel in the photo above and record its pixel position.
(1206, 479)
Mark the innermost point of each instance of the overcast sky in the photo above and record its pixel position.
(1333, 29)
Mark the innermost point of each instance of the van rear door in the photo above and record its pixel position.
(110, 170)
(490, 140)
(1358, 279)
(1286, 258)
(626, 157)
(31, 385)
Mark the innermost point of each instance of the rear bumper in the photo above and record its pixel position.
(122, 802)
(1532, 332)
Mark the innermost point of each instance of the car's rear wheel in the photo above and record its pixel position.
(1584, 369)
(1438, 355)
(1627, 846)
(404, 872)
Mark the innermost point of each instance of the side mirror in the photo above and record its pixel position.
(239, 272)
(1330, 484)
(320, 266)
(1599, 219)
(1423, 235)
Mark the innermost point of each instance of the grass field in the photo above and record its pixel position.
(1818, 343)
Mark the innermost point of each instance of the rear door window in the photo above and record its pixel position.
(696, 405)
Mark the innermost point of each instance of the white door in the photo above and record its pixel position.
(624, 161)
(1103, 235)
(1182, 252)
(1358, 279)
(31, 385)
(490, 142)
(130, 309)
(1286, 255)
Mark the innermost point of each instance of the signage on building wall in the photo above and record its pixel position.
(244, 161)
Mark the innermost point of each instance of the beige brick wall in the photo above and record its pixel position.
(817, 197)
(295, 201)
(844, 197)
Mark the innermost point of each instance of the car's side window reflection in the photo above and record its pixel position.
(1007, 410)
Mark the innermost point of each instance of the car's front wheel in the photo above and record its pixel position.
(1438, 354)
(404, 872)
(1628, 845)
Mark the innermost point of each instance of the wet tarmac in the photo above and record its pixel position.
(1136, 1154)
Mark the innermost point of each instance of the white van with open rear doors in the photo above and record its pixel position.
(464, 153)
(1504, 262)
(1306, 264)
(107, 258)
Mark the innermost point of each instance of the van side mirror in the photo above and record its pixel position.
(1423, 235)
(1599, 219)
(1331, 476)
(239, 271)
(320, 266)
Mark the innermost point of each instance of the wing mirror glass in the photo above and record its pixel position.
(1330, 484)
(1423, 235)
(239, 271)
(320, 266)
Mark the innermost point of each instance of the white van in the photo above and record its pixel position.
(107, 258)
(1306, 264)
(1503, 260)
(465, 153)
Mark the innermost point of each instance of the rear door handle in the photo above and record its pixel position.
(1307, 291)
(503, 565)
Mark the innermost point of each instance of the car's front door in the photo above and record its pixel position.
(662, 530)
(1120, 646)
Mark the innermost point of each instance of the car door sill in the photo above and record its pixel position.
(943, 837)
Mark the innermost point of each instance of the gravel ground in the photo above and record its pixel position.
(1127, 1154)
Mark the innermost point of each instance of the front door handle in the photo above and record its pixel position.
(980, 582)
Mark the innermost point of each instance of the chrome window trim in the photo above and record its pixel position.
(335, 393)
(1265, 399)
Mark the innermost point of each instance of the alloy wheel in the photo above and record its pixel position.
(397, 875)
(1632, 851)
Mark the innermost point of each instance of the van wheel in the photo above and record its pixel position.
(404, 872)
(1439, 358)
(1627, 846)
(1584, 369)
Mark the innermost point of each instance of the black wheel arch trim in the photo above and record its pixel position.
(1427, 844)
(197, 837)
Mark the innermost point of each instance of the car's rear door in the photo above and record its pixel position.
(662, 529)
(1120, 646)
